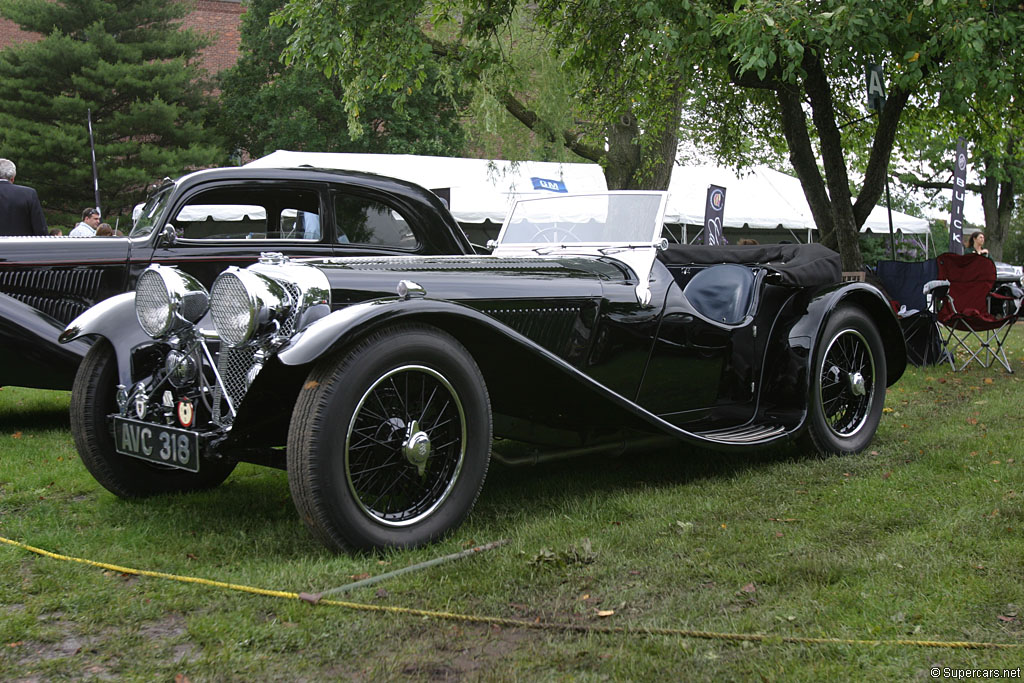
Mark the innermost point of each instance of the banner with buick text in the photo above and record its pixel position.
(956, 214)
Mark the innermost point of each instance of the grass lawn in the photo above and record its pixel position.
(918, 538)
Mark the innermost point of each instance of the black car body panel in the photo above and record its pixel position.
(62, 277)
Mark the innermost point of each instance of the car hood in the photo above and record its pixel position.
(467, 278)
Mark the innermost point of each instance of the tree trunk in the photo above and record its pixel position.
(847, 230)
(997, 202)
(801, 155)
(644, 163)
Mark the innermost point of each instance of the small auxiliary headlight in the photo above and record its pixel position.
(243, 303)
(167, 300)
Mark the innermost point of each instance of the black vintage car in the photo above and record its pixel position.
(379, 383)
(203, 223)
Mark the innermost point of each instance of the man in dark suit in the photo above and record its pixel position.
(20, 210)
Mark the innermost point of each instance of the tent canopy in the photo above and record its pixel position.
(762, 199)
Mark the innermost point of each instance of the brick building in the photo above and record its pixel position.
(218, 18)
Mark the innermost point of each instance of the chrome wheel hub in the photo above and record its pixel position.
(416, 447)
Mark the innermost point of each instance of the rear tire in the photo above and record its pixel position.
(92, 401)
(390, 441)
(847, 385)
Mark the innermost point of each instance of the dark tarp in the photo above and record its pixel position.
(803, 265)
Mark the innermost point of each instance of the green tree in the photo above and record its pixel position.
(766, 70)
(796, 71)
(627, 123)
(267, 105)
(991, 122)
(811, 58)
(131, 64)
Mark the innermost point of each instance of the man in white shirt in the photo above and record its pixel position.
(87, 226)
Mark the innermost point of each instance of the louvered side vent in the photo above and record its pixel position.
(63, 293)
(551, 326)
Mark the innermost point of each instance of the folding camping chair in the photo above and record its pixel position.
(963, 309)
(904, 283)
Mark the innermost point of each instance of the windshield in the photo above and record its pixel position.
(151, 212)
(603, 219)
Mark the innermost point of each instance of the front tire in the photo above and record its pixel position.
(390, 441)
(92, 401)
(847, 385)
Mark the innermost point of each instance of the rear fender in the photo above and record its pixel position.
(113, 319)
(804, 334)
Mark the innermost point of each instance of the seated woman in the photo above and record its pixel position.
(976, 244)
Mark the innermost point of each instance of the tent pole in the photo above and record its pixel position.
(888, 206)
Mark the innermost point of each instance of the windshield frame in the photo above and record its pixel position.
(152, 211)
(654, 237)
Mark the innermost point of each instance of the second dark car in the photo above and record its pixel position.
(202, 223)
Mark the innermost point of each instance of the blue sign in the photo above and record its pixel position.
(550, 185)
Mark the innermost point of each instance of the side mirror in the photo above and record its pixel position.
(169, 235)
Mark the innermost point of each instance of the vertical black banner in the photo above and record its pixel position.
(956, 214)
(714, 209)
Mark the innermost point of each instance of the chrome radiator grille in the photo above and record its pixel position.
(235, 364)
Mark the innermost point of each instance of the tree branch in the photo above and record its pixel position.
(530, 119)
(881, 148)
(516, 107)
(911, 179)
(801, 155)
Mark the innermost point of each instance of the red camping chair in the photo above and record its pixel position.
(963, 309)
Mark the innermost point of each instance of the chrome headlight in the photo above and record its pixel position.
(167, 300)
(244, 303)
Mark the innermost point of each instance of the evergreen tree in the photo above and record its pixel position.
(266, 105)
(134, 67)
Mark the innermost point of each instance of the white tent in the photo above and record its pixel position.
(763, 199)
(479, 189)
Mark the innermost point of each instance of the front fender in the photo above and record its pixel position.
(336, 329)
(113, 319)
(32, 355)
(508, 361)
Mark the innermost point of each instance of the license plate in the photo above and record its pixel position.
(169, 446)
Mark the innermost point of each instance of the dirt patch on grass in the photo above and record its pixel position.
(464, 651)
(69, 642)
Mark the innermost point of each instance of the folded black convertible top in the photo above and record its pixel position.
(802, 265)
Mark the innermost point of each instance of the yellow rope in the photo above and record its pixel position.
(516, 623)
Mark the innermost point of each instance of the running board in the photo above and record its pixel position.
(746, 434)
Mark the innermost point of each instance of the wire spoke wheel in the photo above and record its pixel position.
(405, 446)
(847, 383)
(390, 440)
